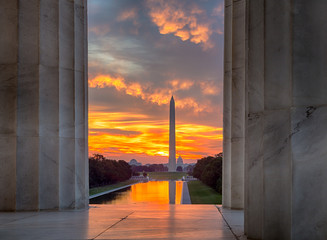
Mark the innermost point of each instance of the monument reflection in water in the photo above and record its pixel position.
(158, 192)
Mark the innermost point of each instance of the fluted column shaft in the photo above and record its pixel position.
(43, 130)
(286, 115)
(234, 105)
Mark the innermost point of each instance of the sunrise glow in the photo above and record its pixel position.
(140, 54)
(116, 133)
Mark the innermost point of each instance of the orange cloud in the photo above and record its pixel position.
(159, 96)
(102, 81)
(201, 34)
(135, 89)
(183, 34)
(118, 133)
(209, 88)
(178, 84)
(172, 17)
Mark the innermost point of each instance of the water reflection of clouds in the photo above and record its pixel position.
(160, 192)
(157, 192)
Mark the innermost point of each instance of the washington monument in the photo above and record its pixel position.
(172, 137)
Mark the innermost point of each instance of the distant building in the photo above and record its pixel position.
(133, 162)
(180, 162)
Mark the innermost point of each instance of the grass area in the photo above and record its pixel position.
(96, 190)
(202, 194)
(167, 175)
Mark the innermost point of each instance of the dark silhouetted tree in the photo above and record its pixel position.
(209, 171)
(104, 171)
(179, 169)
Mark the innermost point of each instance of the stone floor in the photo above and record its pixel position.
(134, 221)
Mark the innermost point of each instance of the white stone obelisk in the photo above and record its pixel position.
(172, 137)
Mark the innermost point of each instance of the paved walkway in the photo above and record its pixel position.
(134, 221)
(185, 199)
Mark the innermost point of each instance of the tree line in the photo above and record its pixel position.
(209, 171)
(104, 171)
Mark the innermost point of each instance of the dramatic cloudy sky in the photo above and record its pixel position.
(141, 52)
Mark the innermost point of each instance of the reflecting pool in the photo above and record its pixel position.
(159, 192)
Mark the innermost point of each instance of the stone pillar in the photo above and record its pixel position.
(268, 161)
(43, 121)
(234, 105)
(8, 100)
(308, 113)
(226, 183)
(286, 136)
(277, 163)
(253, 210)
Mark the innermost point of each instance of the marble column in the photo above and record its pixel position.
(226, 183)
(8, 100)
(253, 211)
(43, 118)
(234, 105)
(308, 135)
(286, 109)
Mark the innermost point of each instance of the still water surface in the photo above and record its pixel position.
(160, 192)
